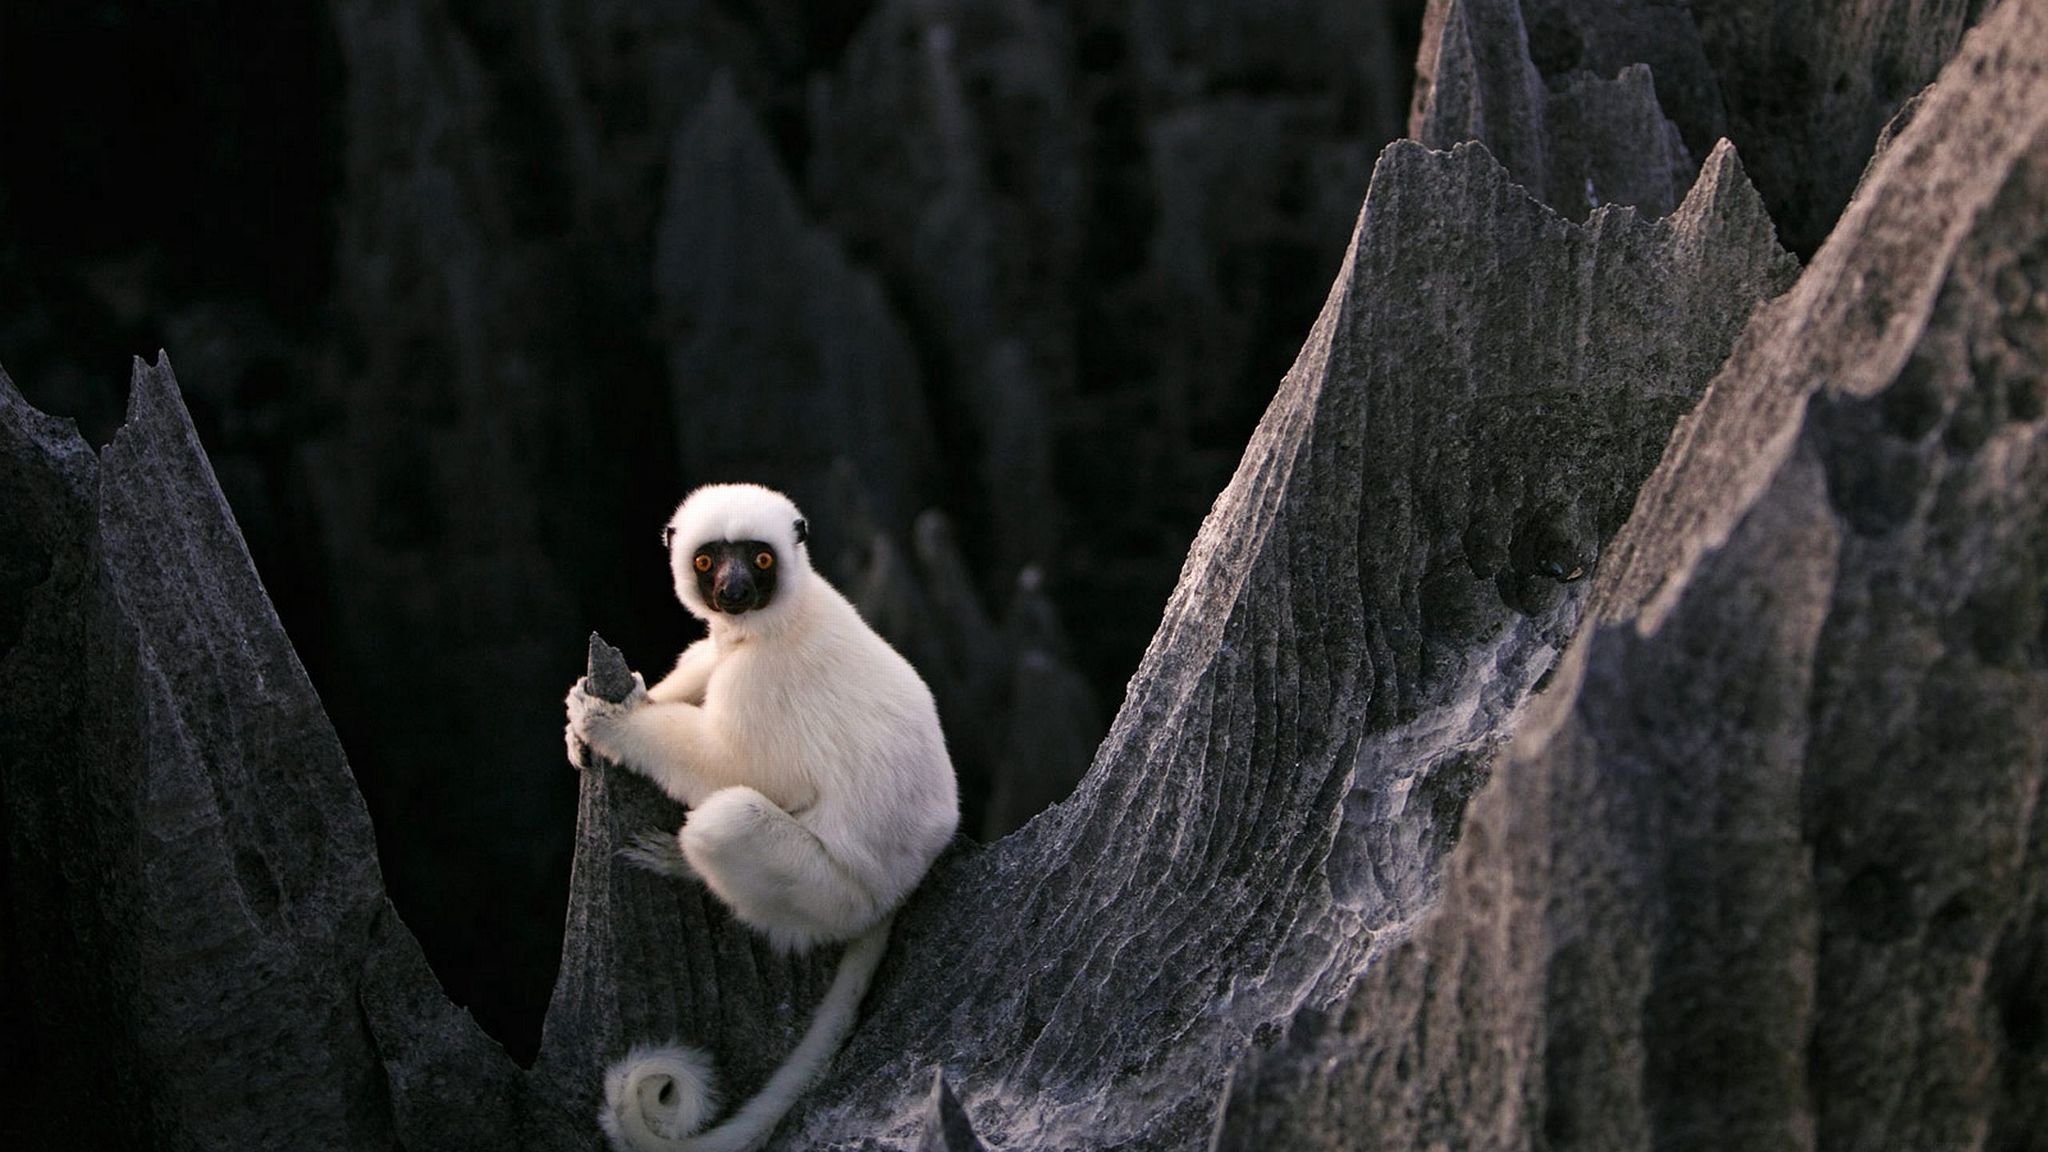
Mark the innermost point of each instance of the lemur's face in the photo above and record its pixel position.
(737, 554)
(736, 576)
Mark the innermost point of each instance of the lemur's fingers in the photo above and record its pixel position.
(586, 712)
(585, 706)
(572, 732)
(590, 715)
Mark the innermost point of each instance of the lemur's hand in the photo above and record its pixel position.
(591, 718)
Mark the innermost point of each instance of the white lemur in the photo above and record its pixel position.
(819, 788)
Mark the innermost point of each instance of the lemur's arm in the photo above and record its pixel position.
(686, 684)
(669, 744)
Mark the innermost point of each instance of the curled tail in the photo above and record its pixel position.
(656, 1098)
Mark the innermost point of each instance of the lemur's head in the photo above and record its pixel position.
(737, 551)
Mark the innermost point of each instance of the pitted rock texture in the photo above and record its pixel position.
(609, 675)
(1807, 91)
(946, 1128)
(1765, 867)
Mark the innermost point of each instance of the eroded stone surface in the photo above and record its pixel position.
(180, 813)
(1579, 128)
(1764, 869)
(1803, 91)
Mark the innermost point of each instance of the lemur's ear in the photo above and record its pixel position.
(803, 529)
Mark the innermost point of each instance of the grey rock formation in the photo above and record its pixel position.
(967, 101)
(782, 359)
(1578, 138)
(1226, 147)
(610, 677)
(511, 408)
(1051, 720)
(1580, 144)
(986, 679)
(1602, 37)
(1108, 224)
(448, 364)
(450, 559)
(228, 953)
(1764, 868)
(518, 413)
(1802, 90)
(1366, 606)
(946, 1127)
(1807, 91)
(1036, 266)
(193, 888)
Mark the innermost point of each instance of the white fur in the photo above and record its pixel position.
(657, 1093)
(810, 755)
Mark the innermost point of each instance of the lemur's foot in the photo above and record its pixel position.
(658, 852)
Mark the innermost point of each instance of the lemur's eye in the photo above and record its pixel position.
(703, 561)
(764, 560)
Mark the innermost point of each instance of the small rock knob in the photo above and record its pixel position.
(946, 1128)
(608, 676)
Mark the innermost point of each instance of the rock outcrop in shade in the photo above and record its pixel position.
(1803, 91)
(1036, 266)
(782, 359)
(1579, 139)
(193, 888)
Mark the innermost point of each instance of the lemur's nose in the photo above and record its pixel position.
(734, 586)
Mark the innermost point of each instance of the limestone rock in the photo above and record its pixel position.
(649, 958)
(1052, 716)
(782, 359)
(946, 1128)
(1578, 138)
(610, 677)
(1803, 91)
(1291, 762)
(1763, 868)
(180, 816)
(966, 101)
